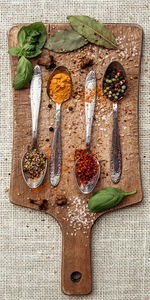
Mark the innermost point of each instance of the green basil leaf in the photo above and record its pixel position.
(24, 73)
(34, 33)
(22, 35)
(106, 198)
(30, 51)
(65, 41)
(40, 28)
(93, 30)
(15, 51)
(33, 37)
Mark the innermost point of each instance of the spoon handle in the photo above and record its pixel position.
(56, 150)
(116, 159)
(90, 98)
(35, 98)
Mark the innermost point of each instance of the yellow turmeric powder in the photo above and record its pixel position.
(60, 87)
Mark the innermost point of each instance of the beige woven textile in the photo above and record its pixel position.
(30, 242)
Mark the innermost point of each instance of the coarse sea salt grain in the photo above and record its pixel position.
(104, 118)
(79, 216)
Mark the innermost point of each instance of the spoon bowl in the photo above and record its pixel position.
(55, 71)
(89, 187)
(116, 66)
(33, 183)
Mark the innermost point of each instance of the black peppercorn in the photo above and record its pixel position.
(70, 108)
(51, 128)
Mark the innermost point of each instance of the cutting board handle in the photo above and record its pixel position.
(76, 263)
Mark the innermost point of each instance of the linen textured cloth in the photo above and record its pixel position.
(30, 242)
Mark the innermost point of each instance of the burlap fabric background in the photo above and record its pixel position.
(30, 242)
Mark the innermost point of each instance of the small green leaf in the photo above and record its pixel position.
(22, 37)
(37, 27)
(33, 37)
(93, 30)
(106, 198)
(31, 34)
(30, 51)
(24, 73)
(65, 41)
(15, 51)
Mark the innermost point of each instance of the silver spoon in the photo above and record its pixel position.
(56, 157)
(116, 157)
(35, 98)
(90, 93)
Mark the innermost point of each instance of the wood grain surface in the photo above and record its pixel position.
(74, 218)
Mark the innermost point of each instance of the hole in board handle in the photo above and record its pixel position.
(76, 276)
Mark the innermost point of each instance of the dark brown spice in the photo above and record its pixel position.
(61, 201)
(44, 205)
(47, 61)
(32, 201)
(86, 62)
(51, 128)
(50, 106)
(70, 108)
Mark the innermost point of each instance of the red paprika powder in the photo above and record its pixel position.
(86, 166)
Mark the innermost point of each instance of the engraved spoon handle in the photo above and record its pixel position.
(90, 93)
(116, 158)
(35, 98)
(56, 150)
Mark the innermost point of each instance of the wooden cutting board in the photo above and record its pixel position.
(74, 218)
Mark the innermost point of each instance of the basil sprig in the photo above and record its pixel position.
(106, 198)
(31, 39)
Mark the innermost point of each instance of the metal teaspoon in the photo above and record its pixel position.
(90, 92)
(35, 98)
(116, 156)
(56, 158)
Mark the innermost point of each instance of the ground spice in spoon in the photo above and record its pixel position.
(34, 163)
(86, 166)
(60, 87)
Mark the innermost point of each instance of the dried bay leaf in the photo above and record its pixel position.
(93, 30)
(65, 41)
